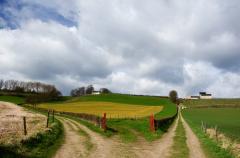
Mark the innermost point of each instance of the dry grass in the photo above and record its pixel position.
(11, 121)
(113, 110)
(225, 142)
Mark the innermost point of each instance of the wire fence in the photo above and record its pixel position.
(13, 128)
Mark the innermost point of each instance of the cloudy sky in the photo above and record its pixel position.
(129, 46)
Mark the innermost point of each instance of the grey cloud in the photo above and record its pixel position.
(129, 46)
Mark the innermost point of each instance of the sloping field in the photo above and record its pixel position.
(165, 108)
(122, 106)
(168, 108)
(12, 99)
(113, 110)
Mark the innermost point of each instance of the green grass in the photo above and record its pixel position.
(211, 147)
(127, 129)
(223, 117)
(12, 99)
(180, 148)
(227, 119)
(212, 102)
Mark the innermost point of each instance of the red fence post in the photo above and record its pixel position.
(104, 120)
(152, 127)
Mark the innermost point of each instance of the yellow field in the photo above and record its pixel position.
(113, 110)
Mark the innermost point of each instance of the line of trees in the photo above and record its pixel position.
(26, 87)
(35, 92)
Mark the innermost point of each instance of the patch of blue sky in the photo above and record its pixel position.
(10, 13)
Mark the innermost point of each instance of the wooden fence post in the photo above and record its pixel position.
(216, 132)
(24, 125)
(202, 126)
(104, 126)
(47, 119)
(53, 115)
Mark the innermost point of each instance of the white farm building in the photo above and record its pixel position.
(204, 95)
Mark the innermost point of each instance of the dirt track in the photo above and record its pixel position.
(156, 149)
(195, 150)
(108, 148)
(74, 146)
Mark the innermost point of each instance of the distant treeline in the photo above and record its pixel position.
(26, 87)
(34, 92)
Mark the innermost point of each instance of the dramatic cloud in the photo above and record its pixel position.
(129, 46)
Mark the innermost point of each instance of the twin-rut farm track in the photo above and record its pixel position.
(80, 141)
(75, 146)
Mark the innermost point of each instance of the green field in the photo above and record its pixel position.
(227, 119)
(128, 129)
(168, 108)
(119, 106)
(12, 99)
(212, 103)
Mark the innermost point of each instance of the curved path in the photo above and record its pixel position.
(195, 150)
(159, 148)
(74, 144)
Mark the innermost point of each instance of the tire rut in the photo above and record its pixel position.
(102, 147)
(73, 142)
(195, 150)
(111, 147)
(157, 149)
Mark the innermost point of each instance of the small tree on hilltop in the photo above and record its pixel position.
(173, 96)
(105, 91)
(89, 89)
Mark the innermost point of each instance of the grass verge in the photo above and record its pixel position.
(210, 146)
(12, 99)
(180, 148)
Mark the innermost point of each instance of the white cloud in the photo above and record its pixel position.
(129, 46)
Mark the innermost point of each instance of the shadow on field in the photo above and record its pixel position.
(10, 152)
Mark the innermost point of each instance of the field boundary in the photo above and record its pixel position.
(88, 117)
(165, 121)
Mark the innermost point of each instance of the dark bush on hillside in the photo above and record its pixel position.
(173, 96)
(105, 91)
(89, 89)
(77, 92)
